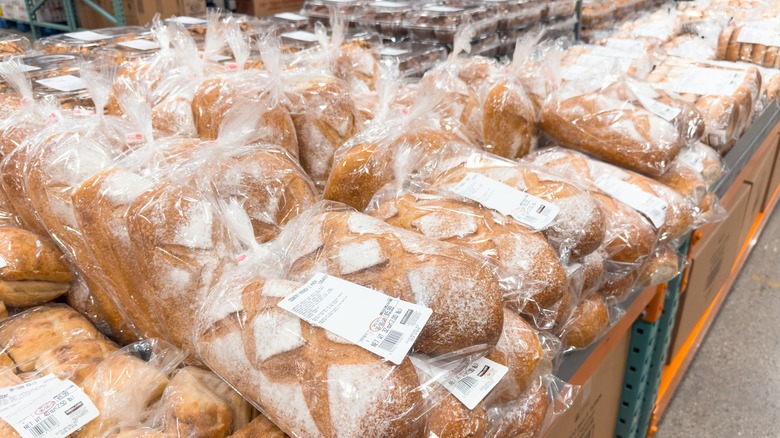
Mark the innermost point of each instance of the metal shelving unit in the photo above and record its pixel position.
(71, 17)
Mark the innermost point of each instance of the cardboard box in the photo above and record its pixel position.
(774, 181)
(137, 12)
(190, 7)
(759, 182)
(595, 410)
(262, 8)
(712, 260)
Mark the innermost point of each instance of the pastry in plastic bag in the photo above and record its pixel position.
(35, 271)
(589, 320)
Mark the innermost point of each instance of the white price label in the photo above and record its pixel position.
(392, 51)
(290, 16)
(442, 9)
(706, 82)
(381, 324)
(189, 20)
(63, 83)
(3, 263)
(87, 35)
(143, 45)
(527, 209)
(301, 35)
(13, 395)
(666, 112)
(26, 68)
(55, 410)
(757, 35)
(220, 58)
(470, 385)
(652, 207)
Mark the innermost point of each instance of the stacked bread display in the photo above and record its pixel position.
(196, 197)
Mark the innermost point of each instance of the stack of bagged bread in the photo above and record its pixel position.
(138, 389)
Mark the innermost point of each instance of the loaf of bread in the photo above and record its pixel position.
(727, 108)
(34, 271)
(369, 161)
(589, 320)
(731, 49)
(321, 132)
(579, 227)
(592, 267)
(59, 160)
(449, 279)
(24, 337)
(530, 263)
(661, 267)
(678, 217)
(335, 388)
(180, 244)
(192, 409)
(523, 417)
(74, 360)
(248, 92)
(621, 132)
(509, 121)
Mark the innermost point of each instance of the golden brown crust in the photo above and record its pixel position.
(732, 50)
(74, 360)
(452, 419)
(191, 409)
(509, 125)
(524, 417)
(519, 349)
(26, 336)
(723, 42)
(770, 57)
(588, 321)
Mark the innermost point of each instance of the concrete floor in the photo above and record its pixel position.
(732, 388)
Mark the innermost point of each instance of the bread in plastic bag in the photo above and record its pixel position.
(590, 319)
(34, 270)
(594, 116)
(523, 254)
(576, 231)
(260, 426)
(663, 266)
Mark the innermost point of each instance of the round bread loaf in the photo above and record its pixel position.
(524, 417)
(509, 126)
(191, 409)
(452, 419)
(74, 360)
(519, 350)
(588, 321)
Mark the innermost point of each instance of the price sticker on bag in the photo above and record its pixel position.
(52, 408)
(392, 51)
(63, 83)
(189, 20)
(472, 384)
(87, 35)
(652, 207)
(525, 208)
(764, 36)
(289, 16)
(26, 68)
(301, 35)
(381, 324)
(706, 81)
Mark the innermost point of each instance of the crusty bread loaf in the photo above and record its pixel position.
(579, 227)
(679, 215)
(525, 416)
(723, 42)
(509, 126)
(524, 255)
(122, 387)
(620, 283)
(661, 267)
(191, 409)
(771, 56)
(34, 271)
(614, 130)
(364, 250)
(241, 411)
(335, 388)
(520, 350)
(74, 360)
(26, 336)
(592, 267)
(363, 168)
(321, 132)
(13, 173)
(589, 320)
(182, 246)
(142, 433)
(732, 49)
(357, 63)
(216, 97)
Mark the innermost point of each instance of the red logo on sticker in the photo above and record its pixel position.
(44, 408)
(377, 324)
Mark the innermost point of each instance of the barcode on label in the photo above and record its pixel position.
(466, 384)
(45, 426)
(390, 341)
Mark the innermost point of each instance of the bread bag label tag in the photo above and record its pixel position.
(646, 96)
(300, 35)
(525, 208)
(26, 68)
(652, 207)
(52, 408)
(752, 34)
(392, 51)
(142, 45)
(63, 83)
(189, 20)
(3, 263)
(704, 81)
(290, 16)
(381, 324)
(470, 385)
(87, 35)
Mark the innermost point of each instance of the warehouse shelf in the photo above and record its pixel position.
(71, 20)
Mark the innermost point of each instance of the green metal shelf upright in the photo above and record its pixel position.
(71, 19)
